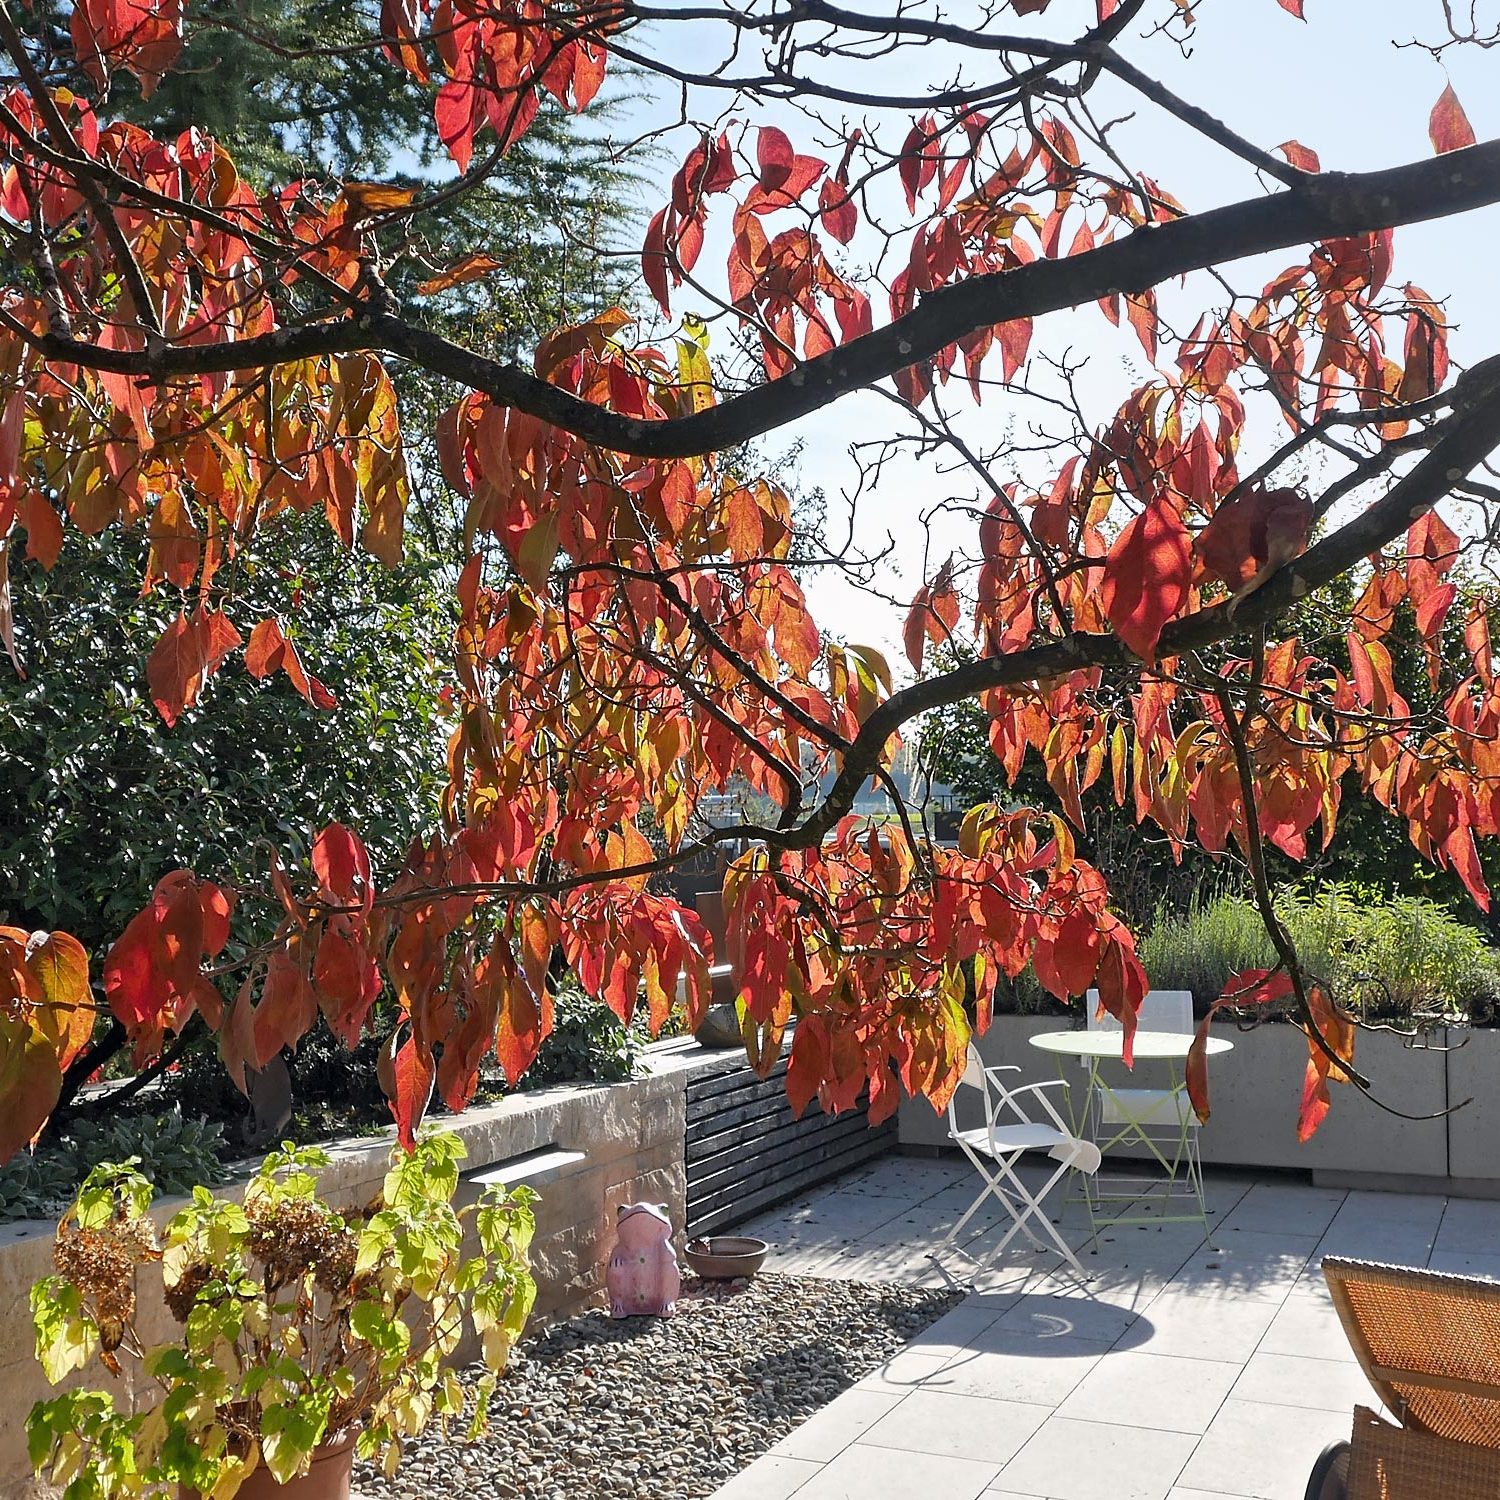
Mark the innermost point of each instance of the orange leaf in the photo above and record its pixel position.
(30, 1083)
(174, 670)
(44, 529)
(1449, 128)
(237, 1038)
(470, 268)
(65, 1014)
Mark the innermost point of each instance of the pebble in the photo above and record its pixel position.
(672, 1407)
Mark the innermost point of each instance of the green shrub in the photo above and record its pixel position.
(174, 1154)
(1402, 959)
(1199, 951)
(587, 1045)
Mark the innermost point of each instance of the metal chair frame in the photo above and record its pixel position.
(995, 1149)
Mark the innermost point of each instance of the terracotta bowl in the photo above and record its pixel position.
(723, 1257)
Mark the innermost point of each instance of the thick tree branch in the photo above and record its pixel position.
(1331, 204)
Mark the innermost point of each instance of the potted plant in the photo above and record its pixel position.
(305, 1334)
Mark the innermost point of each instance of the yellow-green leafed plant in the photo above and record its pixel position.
(297, 1323)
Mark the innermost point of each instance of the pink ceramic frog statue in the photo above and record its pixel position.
(643, 1279)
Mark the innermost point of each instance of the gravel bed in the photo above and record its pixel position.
(669, 1408)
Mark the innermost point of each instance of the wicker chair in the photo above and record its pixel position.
(1430, 1346)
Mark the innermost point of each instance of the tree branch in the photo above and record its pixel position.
(1331, 204)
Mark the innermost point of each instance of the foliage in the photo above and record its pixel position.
(587, 1043)
(189, 348)
(108, 800)
(1401, 959)
(298, 1323)
(174, 1154)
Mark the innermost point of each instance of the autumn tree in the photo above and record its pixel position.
(860, 201)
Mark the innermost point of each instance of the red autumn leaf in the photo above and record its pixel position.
(134, 987)
(1294, 6)
(1449, 128)
(174, 670)
(1075, 951)
(1302, 157)
(1147, 575)
(270, 651)
(342, 865)
(1253, 535)
(218, 639)
(808, 1064)
(267, 649)
(288, 1007)
(1122, 986)
(410, 1088)
(521, 1026)
(836, 210)
(1338, 1031)
(142, 36)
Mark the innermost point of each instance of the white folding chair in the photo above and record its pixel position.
(1161, 1120)
(995, 1147)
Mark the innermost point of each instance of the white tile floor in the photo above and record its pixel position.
(1180, 1370)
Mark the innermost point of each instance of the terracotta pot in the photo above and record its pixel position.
(328, 1478)
(726, 1257)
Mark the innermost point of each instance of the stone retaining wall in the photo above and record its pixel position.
(585, 1149)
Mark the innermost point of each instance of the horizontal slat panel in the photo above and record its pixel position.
(734, 1205)
(745, 1152)
(752, 1143)
(788, 1159)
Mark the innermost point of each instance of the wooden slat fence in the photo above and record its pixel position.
(745, 1153)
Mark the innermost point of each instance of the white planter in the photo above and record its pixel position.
(1474, 1129)
(1255, 1091)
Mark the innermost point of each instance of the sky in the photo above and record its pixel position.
(1337, 83)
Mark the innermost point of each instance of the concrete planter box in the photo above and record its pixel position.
(1255, 1090)
(1474, 1130)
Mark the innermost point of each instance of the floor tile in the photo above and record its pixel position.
(1070, 1315)
(1469, 1225)
(1201, 1327)
(1246, 1264)
(1278, 1208)
(932, 1421)
(1414, 1208)
(1309, 1329)
(1152, 1390)
(954, 1331)
(1073, 1460)
(908, 1371)
(1181, 1494)
(1399, 1243)
(1257, 1449)
(826, 1433)
(862, 1473)
(770, 1477)
(1467, 1263)
(1021, 1368)
(1295, 1380)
